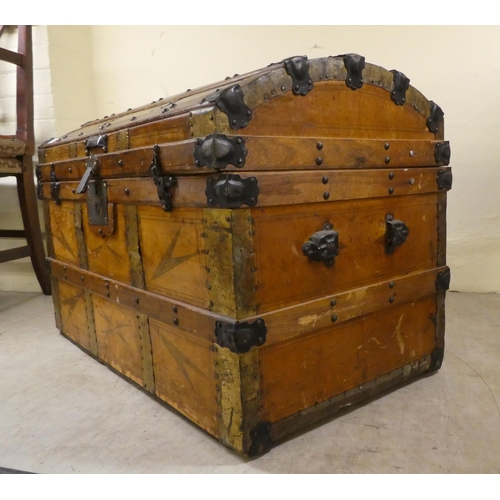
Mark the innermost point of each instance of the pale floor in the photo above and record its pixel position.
(63, 412)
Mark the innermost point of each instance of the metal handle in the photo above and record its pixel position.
(323, 246)
(396, 233)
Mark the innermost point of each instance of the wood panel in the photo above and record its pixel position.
(62, 225)
(118, 341)
(184, 373)
(308, 370)
(108, 255)
(73, 310)
(334, 110)
(170, 245)
(285, 276)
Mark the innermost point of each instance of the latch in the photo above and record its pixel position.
(232, 191)
(92, 169)
(96, 141)
(164, 183)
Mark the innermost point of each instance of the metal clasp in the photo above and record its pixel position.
(92, 169)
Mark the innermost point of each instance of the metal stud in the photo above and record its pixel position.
(391, 190)
(127, 191)
(386, 146)
(136, 300)
(326, 195)
(391, 284)
(391, 176)
(391, 299)
(387, 160)
(324, 180)
(319, 145)
(333, 302)
(319, 161)
(174, 308)
(176, 321)
(334, 318)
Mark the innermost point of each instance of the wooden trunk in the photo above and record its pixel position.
(261, 252)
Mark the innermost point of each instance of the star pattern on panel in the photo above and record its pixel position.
(105, 246)
(168, 262)
(61, 238)
(115, 329)
(182, 361)
(72, 301)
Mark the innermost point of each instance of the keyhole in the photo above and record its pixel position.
(97, 208)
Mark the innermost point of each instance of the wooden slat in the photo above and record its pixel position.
(11, 57)
(14, 253)
(276, 188)
(285, 324)
(264, 153)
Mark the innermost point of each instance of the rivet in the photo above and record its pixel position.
(253, 269)
(411, 153)
(391, 176)
(176, 321)
(334, 318)
(120, 162)
(240, 161)
(209, 286)
(82, 278)
(260, 340)
(70, 170)
(174, 308)
(273, 92)
(127, 191)
(249, 113)
(333, 302)
(197, 163)
(238, 140)
(296, 88)
(391, 299)
(228, 219)
(283, 88)
(233, 122)
(387, 160)
(391, 190)
(386, 146)
(324, 180)
(319, 161)
(251, 250)
(326, 195)
(211, 118)
(136, 300)
(133, 118)
(100, 231)
(107, 294)
(391, 284)
(73, 190)
(411, 181)
(319, 145)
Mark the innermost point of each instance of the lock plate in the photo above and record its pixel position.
(97, 203)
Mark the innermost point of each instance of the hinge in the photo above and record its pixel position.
(443, 280)
(354, 64)
(231, 102)
(401, 84)
(164, 183)
(298, 69)
(435, 117)
(442, 152)
(240, 337)
(218, 151)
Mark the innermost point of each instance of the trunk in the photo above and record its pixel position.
(261, 252)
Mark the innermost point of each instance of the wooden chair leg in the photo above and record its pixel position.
(29, 210)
